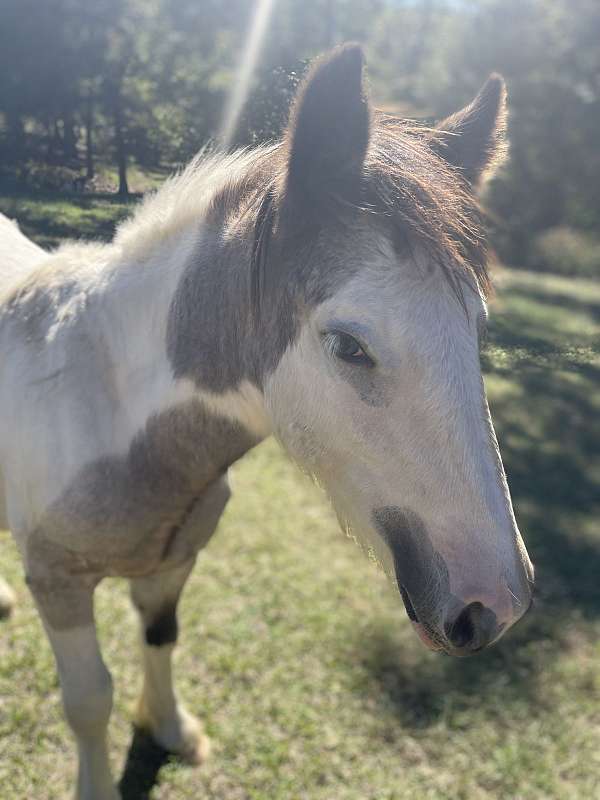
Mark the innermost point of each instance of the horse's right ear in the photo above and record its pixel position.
(328, 132)
(474, 140)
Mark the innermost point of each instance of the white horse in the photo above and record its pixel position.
(330, 289)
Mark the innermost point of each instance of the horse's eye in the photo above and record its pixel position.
(346, 348)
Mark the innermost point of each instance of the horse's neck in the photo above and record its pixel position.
(173, 325)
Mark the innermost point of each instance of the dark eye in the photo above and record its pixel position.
(345, 347)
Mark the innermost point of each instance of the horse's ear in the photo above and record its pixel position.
(328, 132)
(474, 140)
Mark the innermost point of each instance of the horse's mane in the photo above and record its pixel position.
(427, 200)
(186, 198)
(411, 190)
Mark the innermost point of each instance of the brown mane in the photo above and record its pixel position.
(411, 190)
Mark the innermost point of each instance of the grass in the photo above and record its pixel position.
(51, 218)
(297, 653)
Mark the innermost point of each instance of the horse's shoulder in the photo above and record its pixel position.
(54, 291)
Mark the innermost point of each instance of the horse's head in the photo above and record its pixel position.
(374, 240)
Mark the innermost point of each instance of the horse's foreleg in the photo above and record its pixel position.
(156, 597)
(67, 612)
(158, 710)
(7, 599)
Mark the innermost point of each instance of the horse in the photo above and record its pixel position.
(330, 289)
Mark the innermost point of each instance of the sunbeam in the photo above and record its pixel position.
(248, 61)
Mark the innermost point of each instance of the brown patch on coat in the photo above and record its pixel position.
(61, 582)
(134, 515)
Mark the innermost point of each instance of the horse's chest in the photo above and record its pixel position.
(135, 514)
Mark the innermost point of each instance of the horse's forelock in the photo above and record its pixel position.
(406, 188)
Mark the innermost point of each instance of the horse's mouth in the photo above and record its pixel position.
(429, 638)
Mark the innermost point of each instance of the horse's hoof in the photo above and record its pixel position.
(185, 738)
(194, 745)
(182, 735)
(7, 599)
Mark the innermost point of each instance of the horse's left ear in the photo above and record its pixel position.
(328, 132)
(474, 140)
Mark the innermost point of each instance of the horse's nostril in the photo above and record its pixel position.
(473, 628)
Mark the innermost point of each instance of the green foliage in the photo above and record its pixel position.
(50, 219)
(567, 251)
(268, 106)
(545, 50)
(429, 58)
(122, 82)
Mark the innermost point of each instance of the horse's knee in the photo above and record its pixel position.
(155, 597)
(162, 627)
(88, 704)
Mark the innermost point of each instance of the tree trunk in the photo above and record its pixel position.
(69, 138)
(16, 133)
(120, 144)
(89, 143)
(50, 141)
(17, 144)
(59, 146)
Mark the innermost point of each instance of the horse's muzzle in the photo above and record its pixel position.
(466, 629)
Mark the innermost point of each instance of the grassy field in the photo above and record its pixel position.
(51, 218)
(297, 653)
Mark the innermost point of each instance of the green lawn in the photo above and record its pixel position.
(298, 654)
(51, 218)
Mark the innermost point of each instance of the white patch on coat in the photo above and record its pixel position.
(183, 200)
(61, 412)
(245, 405)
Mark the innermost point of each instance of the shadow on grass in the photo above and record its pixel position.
(144, 762)
(564, 300)
(527, 341)
(549, 437)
